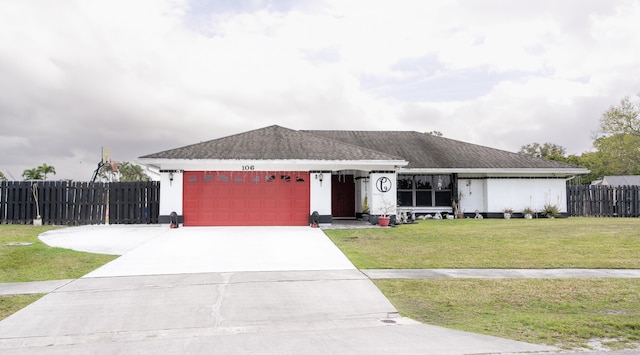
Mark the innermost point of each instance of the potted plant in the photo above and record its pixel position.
(550, 211)
(507, 212)
(365, 208)
(528, 212)
(384, 220)
(387, 209)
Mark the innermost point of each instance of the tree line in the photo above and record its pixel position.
(110, 171)
(616, 143)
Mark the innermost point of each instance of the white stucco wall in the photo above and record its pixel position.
(320, 199)
(474, 195)
(520, 193)
(170, 194)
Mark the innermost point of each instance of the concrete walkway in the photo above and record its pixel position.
(26, 288)
(499, 273)
(18, 288)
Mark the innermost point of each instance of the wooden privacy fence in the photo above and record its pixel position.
(134, 202)
(603, 201)
(78, 203)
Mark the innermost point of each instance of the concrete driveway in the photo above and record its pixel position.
(158, 250)
(266, 290)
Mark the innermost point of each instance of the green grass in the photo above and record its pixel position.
(559, 312)
(563, 312)
(11, 304)
(39, 261)
(36, 262)
(496, 243)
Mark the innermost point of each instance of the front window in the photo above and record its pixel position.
(424, 190)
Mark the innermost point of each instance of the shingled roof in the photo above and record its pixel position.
(274, 143)
(421, 150)
(426, 151)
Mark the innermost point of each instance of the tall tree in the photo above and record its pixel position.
(594, 162)
(622, 119)
(549, 151)
(618, 142)
(32, 174)
(617, 155)
(132, 172)
(47, 169)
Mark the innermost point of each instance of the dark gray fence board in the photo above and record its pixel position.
(134, 203)
(78, 203)
(603, 201)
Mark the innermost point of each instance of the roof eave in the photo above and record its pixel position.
(267, 165)
(499, 171)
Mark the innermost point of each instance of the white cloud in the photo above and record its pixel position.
(151, 75)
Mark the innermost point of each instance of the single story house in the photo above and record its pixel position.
(280, 176)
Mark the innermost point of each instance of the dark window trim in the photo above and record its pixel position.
(433, 190)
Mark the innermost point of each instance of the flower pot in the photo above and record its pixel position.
(507, 216)
(37, 222)
(528, 216)
(384, 221)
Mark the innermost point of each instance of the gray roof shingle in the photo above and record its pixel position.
(425, 151)
(421, 150)
(273, 142)
(621, 180)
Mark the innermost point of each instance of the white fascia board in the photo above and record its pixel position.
(499, 172)
(268, 165)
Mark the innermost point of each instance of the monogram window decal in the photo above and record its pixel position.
(383, 184)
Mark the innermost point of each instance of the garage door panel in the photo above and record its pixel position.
(246, 198)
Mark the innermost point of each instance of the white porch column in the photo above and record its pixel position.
(170, 194)
(384, 199)
(320, 190)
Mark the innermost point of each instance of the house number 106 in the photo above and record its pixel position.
(248, 167)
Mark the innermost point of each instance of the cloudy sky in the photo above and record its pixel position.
(149, 75)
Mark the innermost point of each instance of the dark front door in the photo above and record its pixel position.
(343, 196)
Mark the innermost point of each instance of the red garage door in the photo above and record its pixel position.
(238, 198)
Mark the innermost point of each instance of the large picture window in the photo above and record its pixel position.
(424, 190)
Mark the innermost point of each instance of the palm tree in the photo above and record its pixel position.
(132, 172)
(47, 169)
(124, 172)
(108, 171)
(32, 174)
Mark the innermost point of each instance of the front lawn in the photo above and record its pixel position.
(568, 313)
(496, 243)
(23, 257)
